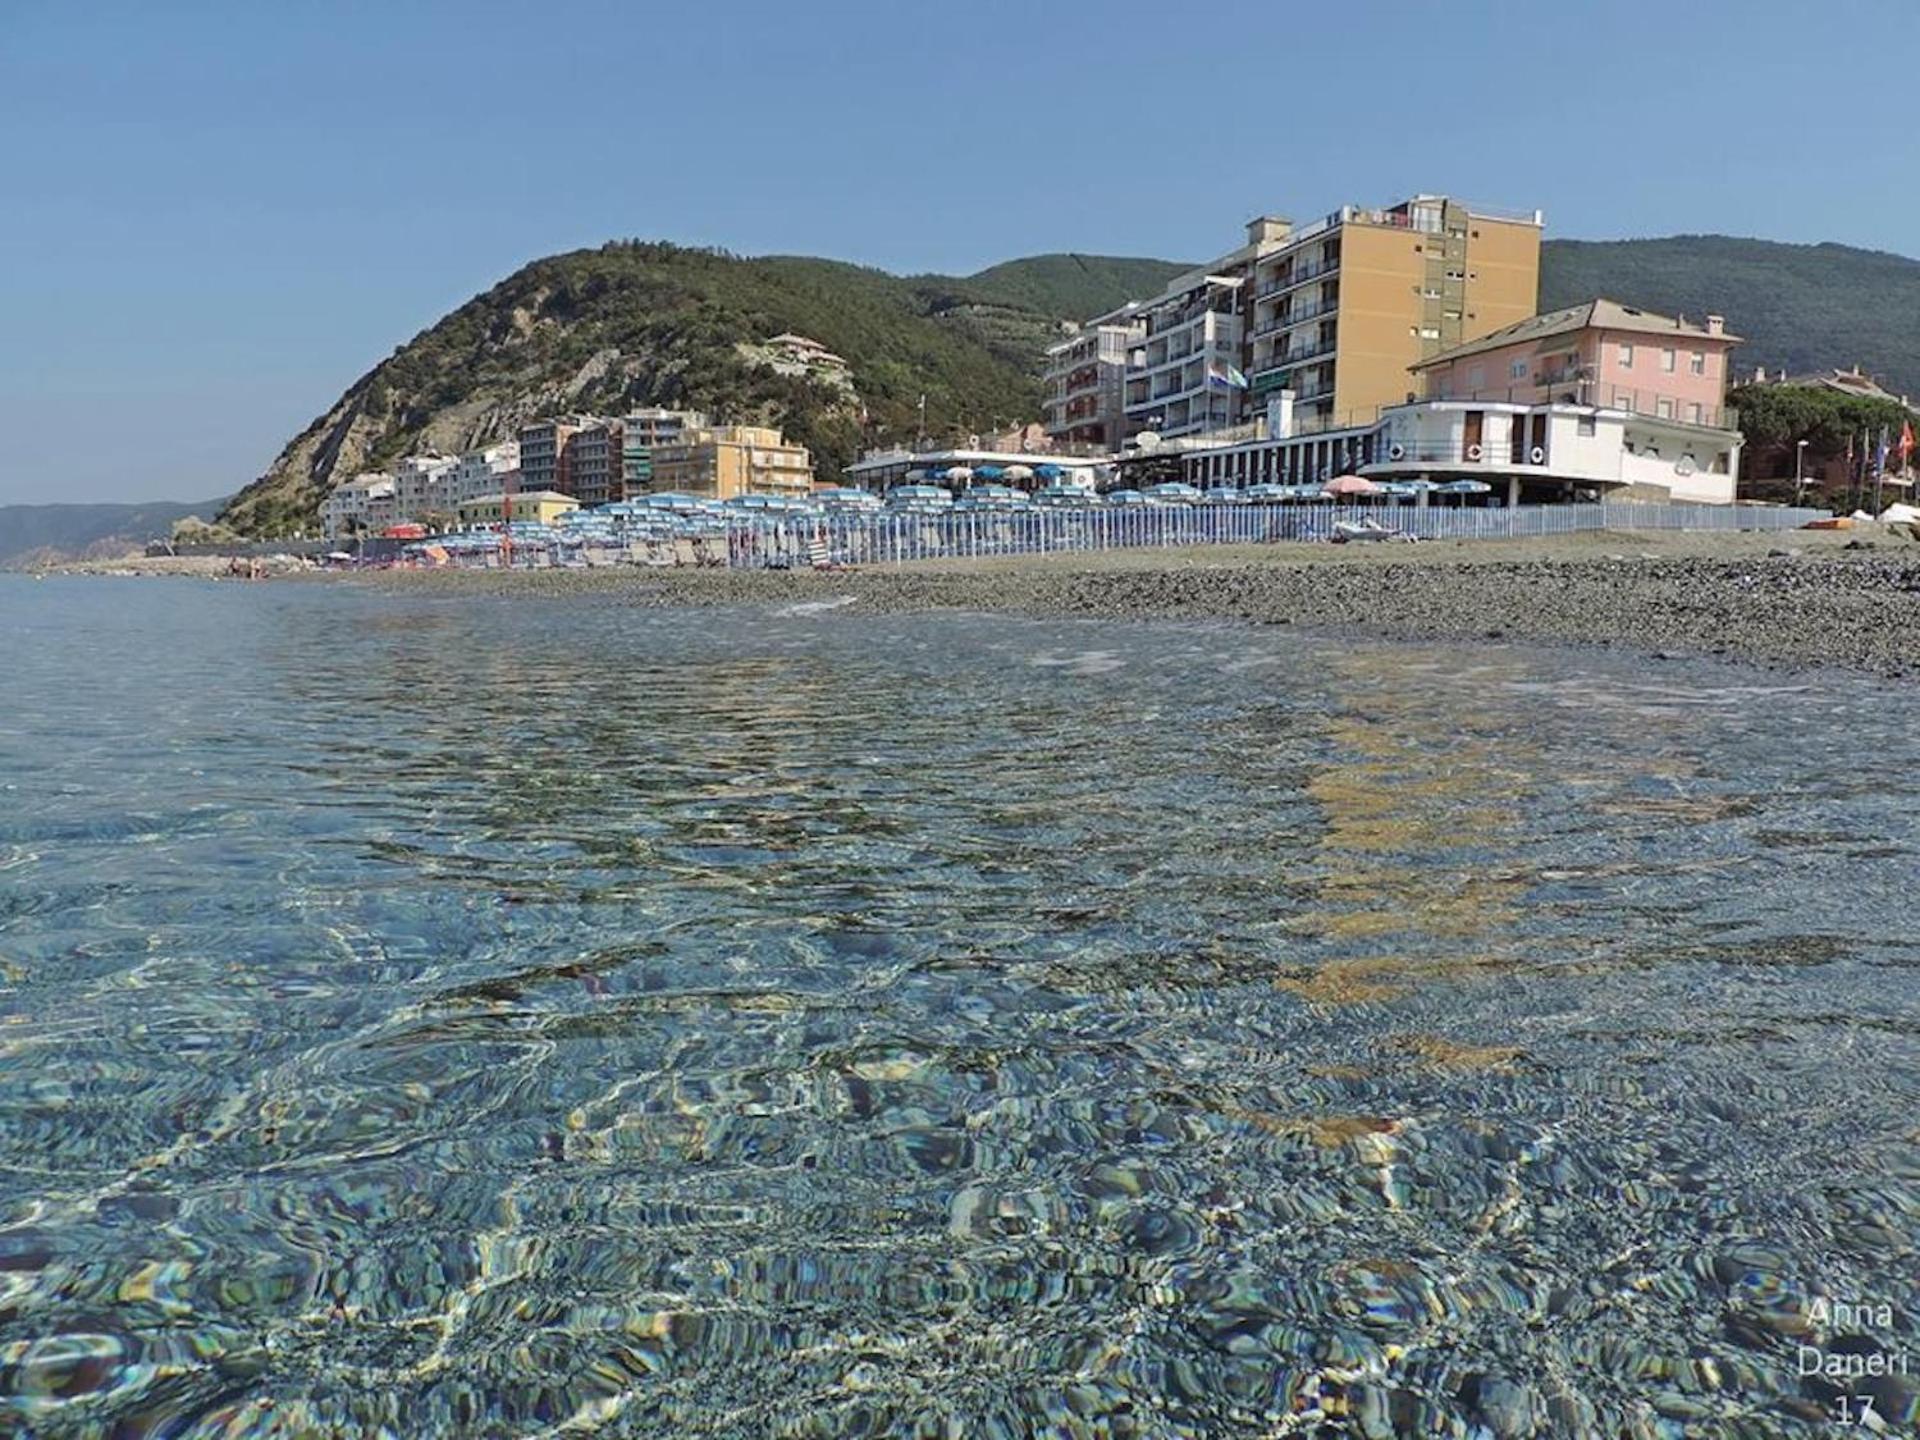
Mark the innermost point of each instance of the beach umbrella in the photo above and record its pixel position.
(989, 472)
(961, 473)
(1463, 488)
(1347, 485)
(1018, 472)
(918, 475)
(1048, 472)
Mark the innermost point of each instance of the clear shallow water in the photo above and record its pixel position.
(546, 1018)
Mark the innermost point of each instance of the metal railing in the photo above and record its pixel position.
(1595, 395)
(1299, 355)
(905, 539)
(1300, 275)
(1295, 317)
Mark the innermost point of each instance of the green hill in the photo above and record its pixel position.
(1805, 307)
(639, 323)
(1078, 285)
(645, 324)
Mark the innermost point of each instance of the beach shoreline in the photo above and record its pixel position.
(1803, 599)
(1799, 599)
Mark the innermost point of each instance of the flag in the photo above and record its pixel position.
(1906, 444)
(1880, 457)
(1229, 377)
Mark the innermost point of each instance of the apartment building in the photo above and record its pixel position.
(1086, 380)
(358, 506)
(544, 463)
(724, 461)
(1340, 311)
(594, 463)
(488, 471)
(644, 430)
(1183, 371)
(1598, 353)
(423, 486)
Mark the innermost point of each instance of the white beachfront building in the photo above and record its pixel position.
(364, 503)
(1542, 453)
(483, 472)
(422, 486)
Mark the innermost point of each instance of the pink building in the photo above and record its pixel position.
(1602, 354)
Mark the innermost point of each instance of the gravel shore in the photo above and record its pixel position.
(1801, 599)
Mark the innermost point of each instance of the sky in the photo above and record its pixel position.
(215, 216)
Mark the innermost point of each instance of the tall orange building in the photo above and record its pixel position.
(1342, 310)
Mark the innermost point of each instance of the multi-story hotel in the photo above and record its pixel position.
(356, 506)
(1086, 381)
(1599, 400)
(423, 486)
(722, 462)
(543, 454)
(646, 429)
(593, 463)
(1340, 311)
(486, 472)
(1182, 371)
(1337, 311)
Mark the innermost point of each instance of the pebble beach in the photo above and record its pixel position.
(1848, 600)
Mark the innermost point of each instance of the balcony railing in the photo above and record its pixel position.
(1598, 396)
(1298, 356)
(1296, 317)
(1186, 315)
(1300, 275)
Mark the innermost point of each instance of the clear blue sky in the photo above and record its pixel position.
(216, 215)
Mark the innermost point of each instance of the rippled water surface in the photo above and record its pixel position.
(425, 1017)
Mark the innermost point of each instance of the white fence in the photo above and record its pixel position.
(900, 539)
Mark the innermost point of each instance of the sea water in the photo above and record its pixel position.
(438, 1016)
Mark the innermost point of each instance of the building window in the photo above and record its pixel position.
(1518, 370)
(1476, 377)
(1667, 360)
(1664, 408)
(1429, 332)
(1586, 425)
(1699, 362)
(1693, 412)
(1626, 356)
